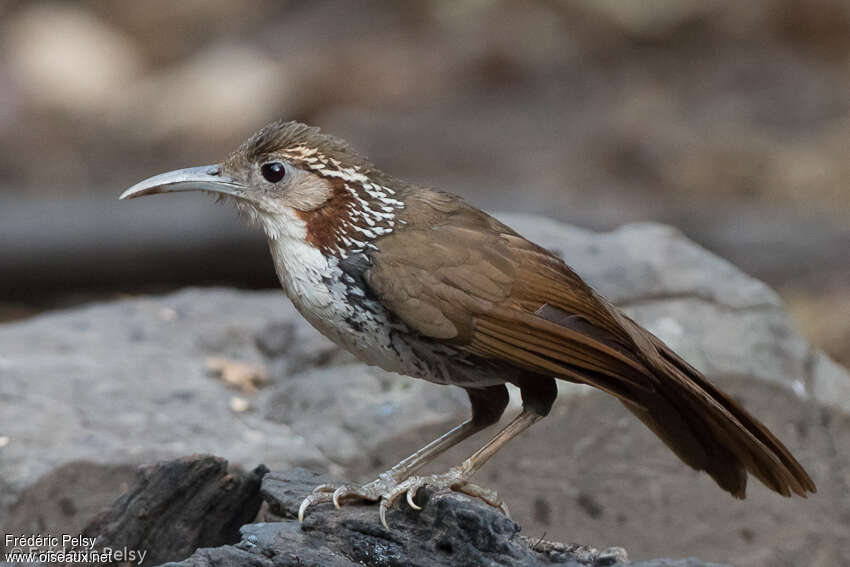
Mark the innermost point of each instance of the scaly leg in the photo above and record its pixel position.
(457, 478)
(388, 480)
(487, 406)
(538, 395)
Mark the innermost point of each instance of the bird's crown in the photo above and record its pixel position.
(300, 141)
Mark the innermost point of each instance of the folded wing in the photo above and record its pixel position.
(476, 283)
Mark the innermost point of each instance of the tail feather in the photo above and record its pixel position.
(703, 426)
(753, 447)
(691, 446)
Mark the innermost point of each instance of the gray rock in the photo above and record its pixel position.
(687, 562)
(450, 530)
(276, 339)
(177, 506)
(125, 383)
(366, 407)
(66, 499)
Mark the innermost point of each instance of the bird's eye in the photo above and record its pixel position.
(273, 172)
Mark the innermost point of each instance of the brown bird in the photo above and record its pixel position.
(418, 282)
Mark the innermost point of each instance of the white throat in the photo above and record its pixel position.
(304, 271)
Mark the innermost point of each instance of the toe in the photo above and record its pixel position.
(390, 496)
(489, 496)
(411, 494)
(314, 498)
(340, 492)
(382, 512)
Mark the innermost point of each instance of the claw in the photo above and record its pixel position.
(336, 493)
(387, 493)
(339, 493)
(319, 494)
(306, 503)
(382, 512)
(409, 488)
(411, 494)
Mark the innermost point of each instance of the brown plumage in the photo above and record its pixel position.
(497, 295)
(418, 282)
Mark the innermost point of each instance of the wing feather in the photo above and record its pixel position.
(458, 275)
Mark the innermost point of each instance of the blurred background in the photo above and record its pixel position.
(729, 120)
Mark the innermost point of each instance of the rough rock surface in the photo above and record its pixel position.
(451, 529)
(175, 507)
(125, 383)
(171, 510)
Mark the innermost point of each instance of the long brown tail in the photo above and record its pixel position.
(706, 428)
(709, 431)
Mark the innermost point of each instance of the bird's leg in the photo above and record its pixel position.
(457, 478)
(487, 406)
(538, 395)
(388, 480)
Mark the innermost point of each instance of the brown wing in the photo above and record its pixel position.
(459, 275)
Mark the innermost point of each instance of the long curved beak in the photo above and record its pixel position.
(203, 178)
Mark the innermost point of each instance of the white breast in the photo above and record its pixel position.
(317, 287)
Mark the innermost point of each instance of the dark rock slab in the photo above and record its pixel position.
(177, 506)
(450, 530)
(67, 498)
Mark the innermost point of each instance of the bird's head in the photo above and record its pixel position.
(296, 182)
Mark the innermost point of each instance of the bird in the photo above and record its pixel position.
(416, 281)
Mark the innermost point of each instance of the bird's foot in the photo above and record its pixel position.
(339, 493)
(387, 490)
(455, 479)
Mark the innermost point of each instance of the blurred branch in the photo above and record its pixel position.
(65, 246)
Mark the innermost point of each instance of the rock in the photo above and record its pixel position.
(369, 407)
(124, 383)
(829, 383)
(66, 499)
(276, 339)
(178, 506)
(451, 529)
